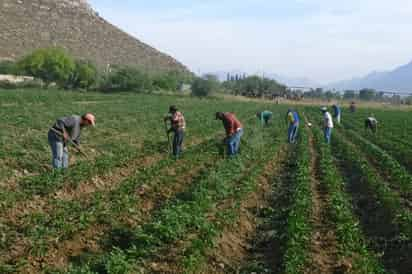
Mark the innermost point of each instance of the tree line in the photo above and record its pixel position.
(55, 67)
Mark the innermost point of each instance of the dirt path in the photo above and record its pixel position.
(324, 246)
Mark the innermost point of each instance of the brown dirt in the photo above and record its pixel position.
(233, 245)
(93, 239)
(376, 223)
(323, 251)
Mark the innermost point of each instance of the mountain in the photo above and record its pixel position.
(397, 80)
(73, 25)
(288, 81)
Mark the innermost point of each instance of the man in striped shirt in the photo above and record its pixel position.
(234, 131)
(178, 125)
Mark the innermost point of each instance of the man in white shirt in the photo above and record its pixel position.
(371, 123)
(327, 124)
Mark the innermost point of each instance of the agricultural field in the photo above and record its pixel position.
(131, 208)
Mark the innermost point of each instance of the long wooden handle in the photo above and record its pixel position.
(71, 142)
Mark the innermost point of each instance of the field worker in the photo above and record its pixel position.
(67, 130)
(371, 123)
(352, 106)
(292, 118)
(327, 124)
(234, 131)
(337, 113)
(264, 117)
(178, 125)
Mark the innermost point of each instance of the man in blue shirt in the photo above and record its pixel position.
(292, 119)
(337, 113)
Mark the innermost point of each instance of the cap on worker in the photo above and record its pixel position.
(90, 118)
(219, 115)
(324, 109)
(172, 108)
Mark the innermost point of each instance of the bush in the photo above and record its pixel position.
(8, 67)
(127, 79)
(168, 81)
(50, 65)
(84, 76)
(203, 87)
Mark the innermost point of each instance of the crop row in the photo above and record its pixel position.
(395, 173)
(368, 176)
(190, 215)
(70, 217)
(298, 231)
(196, 252)
(352, 243)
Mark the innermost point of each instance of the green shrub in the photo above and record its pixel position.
(127, 79)
(167, 81)
(203, 87)
(50, 65)
(84, 76)
(8, 67)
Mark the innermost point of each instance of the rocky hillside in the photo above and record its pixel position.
(72, 24)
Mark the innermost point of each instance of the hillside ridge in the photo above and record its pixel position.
(76, 27)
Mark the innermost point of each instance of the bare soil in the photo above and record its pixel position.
(376, 223)
(100, 238)
(234, 244)
(323, 251)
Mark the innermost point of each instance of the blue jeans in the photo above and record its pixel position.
(293, 133)
(177, 142)
(60, 154)
(328, 134)
(233, 143)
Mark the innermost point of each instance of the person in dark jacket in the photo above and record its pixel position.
(65, 130)
(234, 131)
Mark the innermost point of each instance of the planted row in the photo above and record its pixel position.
(298, 232)
(189, 214)
(71, 217)
(368, 176)
(352, 244)
(395, 173)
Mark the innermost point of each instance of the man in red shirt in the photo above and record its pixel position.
(178, 125)
(234, 131)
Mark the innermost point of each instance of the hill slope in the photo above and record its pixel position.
(73, 25)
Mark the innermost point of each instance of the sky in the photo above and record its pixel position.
(323, 40)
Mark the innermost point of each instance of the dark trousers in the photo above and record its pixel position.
(178, 141)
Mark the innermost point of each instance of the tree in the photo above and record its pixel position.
(203, 87)
(50, 65)
(349, 94)
(367, 94)
(84, 75)
(127, 79)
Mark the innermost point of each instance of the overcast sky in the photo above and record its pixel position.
(324, 40)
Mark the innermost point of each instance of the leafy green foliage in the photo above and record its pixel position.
(203, 87)
(298, 223)
(50, 65)
(84, 76)
(127, 79)
(255, 86)
(8, 67)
